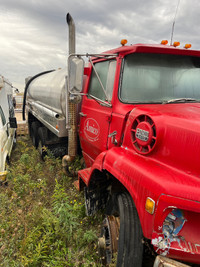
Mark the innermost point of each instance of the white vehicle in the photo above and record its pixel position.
(8, 124)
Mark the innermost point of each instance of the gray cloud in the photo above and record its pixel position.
(34, 33)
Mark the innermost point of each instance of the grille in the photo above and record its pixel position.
(143, 134)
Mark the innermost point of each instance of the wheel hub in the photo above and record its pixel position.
(108, 242)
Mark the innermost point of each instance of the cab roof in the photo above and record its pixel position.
(152, 48)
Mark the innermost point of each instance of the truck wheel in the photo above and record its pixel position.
(42, 136)
(34, 132)
(122, 233)
(29, 129)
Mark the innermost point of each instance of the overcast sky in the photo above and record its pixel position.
(34, 33)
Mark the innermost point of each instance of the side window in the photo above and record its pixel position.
(2, 116)
(106, 72)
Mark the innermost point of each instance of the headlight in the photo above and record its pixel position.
(173, 223)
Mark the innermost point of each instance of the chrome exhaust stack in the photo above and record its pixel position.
(72, 37)
(72, 107)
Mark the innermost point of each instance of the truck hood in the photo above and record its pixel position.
(175, 134)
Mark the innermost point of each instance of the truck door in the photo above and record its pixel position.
(95, 115)
(3, 139)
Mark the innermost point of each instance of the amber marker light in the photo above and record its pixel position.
(175, 44)
(57, 127)
(123, 42)
(164, 42)
(150, 205)
(188, 46)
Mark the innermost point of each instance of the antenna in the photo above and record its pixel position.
(172, 33)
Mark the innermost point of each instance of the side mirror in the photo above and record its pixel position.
(1, 82)
(13, 122)
(75, 74)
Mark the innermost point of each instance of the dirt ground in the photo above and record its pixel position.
(22, 127)
(18, 115)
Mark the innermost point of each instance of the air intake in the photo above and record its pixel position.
(143, 134)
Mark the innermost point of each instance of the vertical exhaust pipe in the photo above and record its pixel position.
(72, 37)
(72, 110)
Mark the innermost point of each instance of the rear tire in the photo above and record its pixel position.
(29, 129)
(42, 136)
(34, 132)
(130, 246)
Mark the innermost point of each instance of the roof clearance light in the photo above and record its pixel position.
(164, 42)
(188, 46)
(123, 42)
(175, 44)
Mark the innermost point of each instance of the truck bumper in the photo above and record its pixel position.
(166, 262)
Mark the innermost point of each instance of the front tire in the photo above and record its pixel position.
(130, 246)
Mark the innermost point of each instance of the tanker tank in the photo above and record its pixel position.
(49, 91)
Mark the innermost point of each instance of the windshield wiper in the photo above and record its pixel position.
(180, 100)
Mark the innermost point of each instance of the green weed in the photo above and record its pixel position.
(42, 216)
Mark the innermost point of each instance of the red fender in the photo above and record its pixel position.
(144, 177)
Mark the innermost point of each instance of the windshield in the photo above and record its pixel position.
(157, 78)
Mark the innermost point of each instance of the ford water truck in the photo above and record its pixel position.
(135, 113)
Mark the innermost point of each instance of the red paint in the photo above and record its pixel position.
(156, 154)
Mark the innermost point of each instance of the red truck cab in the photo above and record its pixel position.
(140, 133)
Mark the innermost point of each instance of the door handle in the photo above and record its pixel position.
(112, 135)
(82, 114)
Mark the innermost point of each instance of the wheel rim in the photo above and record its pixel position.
(108, 242)
(42, 149)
